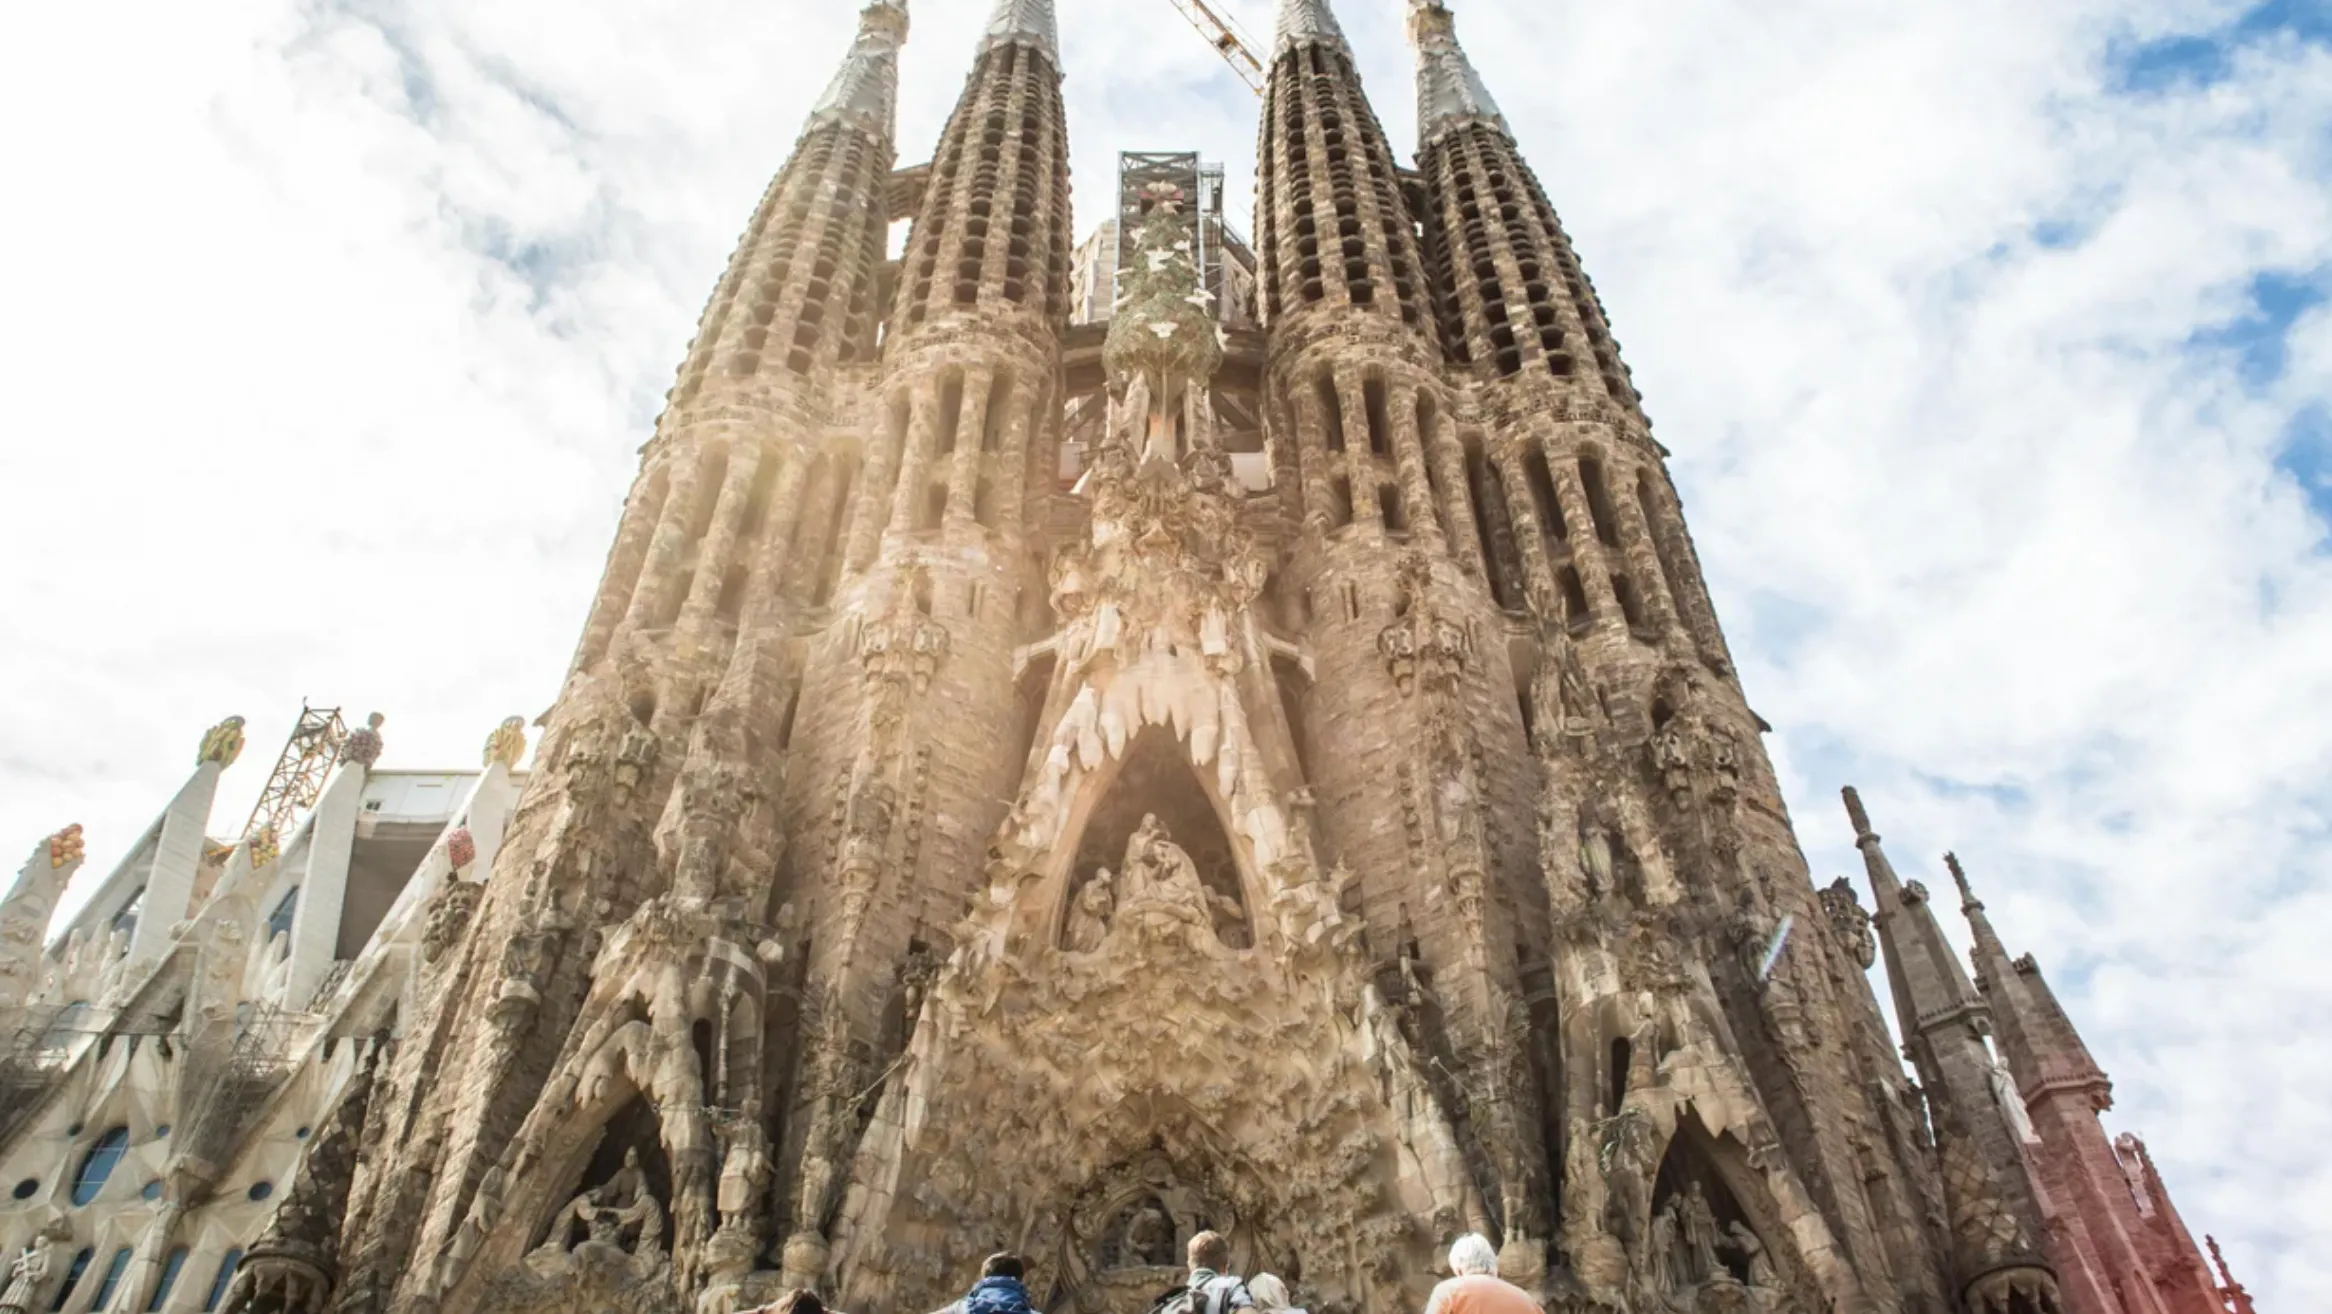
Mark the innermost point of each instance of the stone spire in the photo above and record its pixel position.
(1029, 22)
(1307, 22)
(865, 90)
(2037, 1037)
(1449, 92)
(1988, 1196)
(2108, 1213)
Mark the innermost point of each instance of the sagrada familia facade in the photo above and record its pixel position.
(1259, 758)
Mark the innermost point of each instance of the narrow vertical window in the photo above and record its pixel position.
(1542, 495)
(170, 1268)
(113, 1272)
(951, 413)
(1576, 612)
(1389, 509)
(228, 1263)
(1331, 412)
(73, 1274)
(279, 922)
(1599, 501)
(1380, 417)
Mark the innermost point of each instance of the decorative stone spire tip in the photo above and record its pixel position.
(1855, 813)
(1449, 91)
(1307, 22)
(1031, 22)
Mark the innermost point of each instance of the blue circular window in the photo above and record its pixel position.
(74, 1130)
(153, 1190)
(26, 1188)
(162, 1133)
(302, 1133)
(261, 1190)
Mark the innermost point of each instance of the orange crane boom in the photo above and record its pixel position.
(1220, 34)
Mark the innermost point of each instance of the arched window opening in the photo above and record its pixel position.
(73, 1275)
(1487, 494)
(1576, 613)
(119, 1265)
(951, 412)
(1331, 411)
(98, 1164)
(730, 604)
(713, 469)
(1672, 571)
(1599, 501)
(1288, 675)
(1616, 1080)
(984, 502)
(1631, 606)
(829, 559)
(1380, 418)
(228, 1263)
(1543, 502)
(170, 1269)
(932, 510)
(1339, 501)
(922, 594)
(758, 497)
(999, 412)
(1389, 509)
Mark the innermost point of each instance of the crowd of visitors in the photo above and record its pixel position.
(1473, 1287)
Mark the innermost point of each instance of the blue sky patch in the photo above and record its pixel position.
(2205, 59)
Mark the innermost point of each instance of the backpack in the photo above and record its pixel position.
(1188, 1300)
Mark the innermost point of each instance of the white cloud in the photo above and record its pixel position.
(331, 329)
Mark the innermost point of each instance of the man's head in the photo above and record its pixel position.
(1003, 1264)
(1473, 1254)
(1210, 1251)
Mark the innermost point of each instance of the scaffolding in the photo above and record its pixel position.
(299, 774)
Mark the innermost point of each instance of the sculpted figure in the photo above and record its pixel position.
(1089, 918)
(1661, 1262)
(1698, 1226)
(31, 1268)
(610, 1212)
(1149, 1238)
(1744, 1243)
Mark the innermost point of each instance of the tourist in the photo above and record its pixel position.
(999, 1290)
(1474, 1286)
(1271, 1295)
(1211, 1290)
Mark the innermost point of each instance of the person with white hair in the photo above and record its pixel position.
(1474, 1287)
(1271, 1295)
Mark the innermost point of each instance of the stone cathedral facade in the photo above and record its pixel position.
(1057, 785)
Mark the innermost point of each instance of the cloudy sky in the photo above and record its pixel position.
(1991, 337)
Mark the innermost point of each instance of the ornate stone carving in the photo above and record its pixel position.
(222, 743)
(1850, 922)
(66, 847)
(363, 746)
(506, 747)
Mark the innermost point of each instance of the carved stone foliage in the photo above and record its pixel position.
(664, 1064)
(1103, 1128)
(1850, 922)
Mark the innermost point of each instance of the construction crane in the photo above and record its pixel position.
(1224, 34)
(299, 773)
